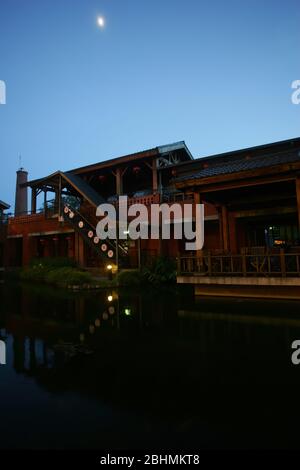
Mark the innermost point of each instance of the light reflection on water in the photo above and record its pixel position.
(126, 369)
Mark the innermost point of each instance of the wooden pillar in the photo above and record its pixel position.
(232, 233)
(154, 177)
(26, 255)
(33, 200)
(119, 181)
(197, 200)
(298, 199)
(225, 228)
(45, 200)
(79, 250)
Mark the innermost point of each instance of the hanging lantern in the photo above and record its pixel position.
(111, 310)
(110, 254)
(136, 170)
(66, 209)
(71, 215)
(90, 234)
(96, 240)
(105, 316)
(104, 247)
(80, 224)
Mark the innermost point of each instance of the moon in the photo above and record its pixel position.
(101, 21)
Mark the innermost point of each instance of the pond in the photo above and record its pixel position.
(131, 369)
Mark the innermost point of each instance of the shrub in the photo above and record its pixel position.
(68, 276)
(129, 278)
(52, 263)
(162, 270)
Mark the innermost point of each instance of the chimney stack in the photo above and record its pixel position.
(21, 193)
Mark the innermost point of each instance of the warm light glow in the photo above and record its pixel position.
(109, 267)
(127, 312)
(110, 298)
(101, 21)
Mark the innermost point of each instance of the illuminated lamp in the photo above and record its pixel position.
(136, 170)
(90, 234)
(104, 247)
(96, 240)
(71, 215)
(66, 209)
(127, 312)
(110, 254)
(80, 224)
(110, 298)
(109, 267)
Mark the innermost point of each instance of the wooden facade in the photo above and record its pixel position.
(251, 199)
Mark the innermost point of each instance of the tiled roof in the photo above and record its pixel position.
(3, 205)
(212, 167)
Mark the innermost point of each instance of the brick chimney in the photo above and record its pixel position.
(21, 206)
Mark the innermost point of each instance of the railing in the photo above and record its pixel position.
(278, 265)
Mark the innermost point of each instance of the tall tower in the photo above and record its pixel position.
(21, 205)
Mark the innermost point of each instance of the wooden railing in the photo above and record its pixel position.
(278, 265)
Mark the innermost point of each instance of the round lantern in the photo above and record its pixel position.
(90, 234)
(105, 316)
(110, 254)
(104, 247)
(111, 310)
(66, 210)
(71, 215)
(96, 240)
(80, 224)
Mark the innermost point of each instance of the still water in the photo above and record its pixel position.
(130, 369)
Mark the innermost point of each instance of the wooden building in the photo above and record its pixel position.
(252, 212)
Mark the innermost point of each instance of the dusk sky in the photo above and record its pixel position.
(216, 74)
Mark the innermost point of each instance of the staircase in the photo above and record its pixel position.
(106, 249)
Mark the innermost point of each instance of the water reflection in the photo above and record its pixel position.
(164, 369)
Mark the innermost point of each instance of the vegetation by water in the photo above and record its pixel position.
(64, 272)
(56, 271)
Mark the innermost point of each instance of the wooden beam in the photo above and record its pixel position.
(33, 200)
(154, 176)
(225, 228)
(298, 199)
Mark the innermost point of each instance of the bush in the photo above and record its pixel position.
(51, 263)
(162, 270)
(35, 273)
(68, 276)
(129, 278)
(58, 276)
